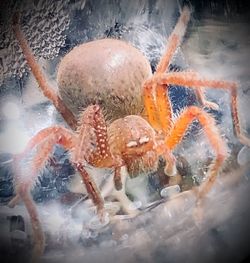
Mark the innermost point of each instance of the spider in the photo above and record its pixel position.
(132, 142)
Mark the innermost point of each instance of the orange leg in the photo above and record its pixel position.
(33, 142)
(158, 107)
(40, 78)
(218, 145)
(200, 95)
(38, 235)
(174, 40)
(150, 106)
(44, 140)
(156, 100)
(42, 135)
(164, 108)
(92, 189)
(192, 80)
(159, 114)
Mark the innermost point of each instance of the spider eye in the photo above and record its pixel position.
(132, 144)
(143, 140)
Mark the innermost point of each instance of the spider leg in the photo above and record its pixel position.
(117, 178)
(158, 107)
(217, 143)
(170, 167)
(92, 189)
(38, 235)
(192, 80)
(40, 78)
(156, 100)
(127, 205)
(200, 95)
(45, 141)
(159, 114)
(101, 156)
(150, 106)
(14, 201)
(174, 40)
(33, 142)
(109, 190)
(164, 108)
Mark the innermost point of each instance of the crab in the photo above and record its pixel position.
(132, 142)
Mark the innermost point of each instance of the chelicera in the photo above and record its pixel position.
(135, 141)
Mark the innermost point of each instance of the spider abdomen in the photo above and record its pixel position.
(109, 72)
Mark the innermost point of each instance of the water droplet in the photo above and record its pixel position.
(112, 208)
(169, 191)
(85, 233)
(243, 156)
(137, 204)
(124, 237)
(96, 224)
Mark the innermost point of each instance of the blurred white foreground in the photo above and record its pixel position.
(167, 233)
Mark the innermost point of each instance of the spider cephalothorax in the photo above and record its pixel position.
(132, 142)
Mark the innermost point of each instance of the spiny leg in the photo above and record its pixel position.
(37, 230)
(23, 187)
(159, 114)
(92, 190)
(45, 141)
(163, 104)
(93, 136)
(217, 143)
(92, 119)
(200, 95)
(40, 78)
(164, 108)
(174, 40)
(150, 106)
(194, 81)
(158, 107)
(33, 142)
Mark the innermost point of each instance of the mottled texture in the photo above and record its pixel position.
(108, 72)
(134, 140)
(43, 25)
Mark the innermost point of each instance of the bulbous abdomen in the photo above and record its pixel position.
(108, 72)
